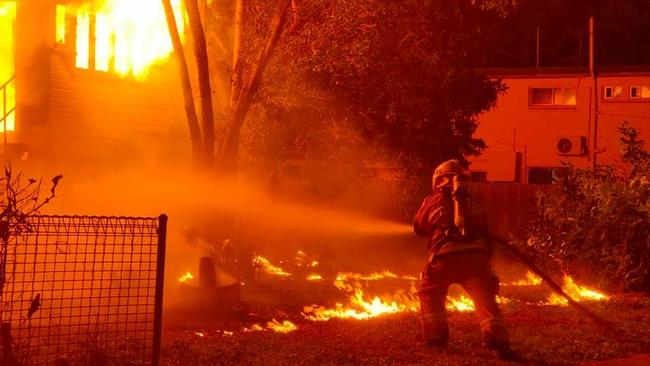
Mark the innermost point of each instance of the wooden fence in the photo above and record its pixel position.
(507, 207)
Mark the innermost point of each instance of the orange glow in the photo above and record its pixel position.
(284, 327)
(129, 38)
(274, 325)
(83, 41)
(254, 328)
(530, 280)
(103, 56)
(60, 23)
(463, 303)
(577, 293)
(361, 307)
(7, 67)
(314, 277)
(343, 276)
(270, 268)
(186, 277)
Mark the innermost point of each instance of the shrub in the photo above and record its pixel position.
(596, 222)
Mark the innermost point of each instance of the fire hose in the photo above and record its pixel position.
(549, 281)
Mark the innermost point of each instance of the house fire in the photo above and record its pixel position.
(93, 82)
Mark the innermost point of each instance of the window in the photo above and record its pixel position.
(552, 97)
(613, 92)
(639, 92)
(124, 37)
(541, 96)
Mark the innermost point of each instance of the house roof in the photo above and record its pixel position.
(563, 72)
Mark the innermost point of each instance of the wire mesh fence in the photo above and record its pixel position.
(80, 290)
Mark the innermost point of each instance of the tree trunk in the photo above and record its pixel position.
(229, 149)
(190, 110)
(201, 53)
(235, 80)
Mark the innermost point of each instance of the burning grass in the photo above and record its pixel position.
(545, 334)
(359, 304)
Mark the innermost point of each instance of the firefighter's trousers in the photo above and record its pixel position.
(472, 270)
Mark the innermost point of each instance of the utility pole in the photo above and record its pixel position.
(594, 76)
(537, 48)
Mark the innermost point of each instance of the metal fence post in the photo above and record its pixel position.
(160, 279)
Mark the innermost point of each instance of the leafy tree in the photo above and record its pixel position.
(397, 74)
(242, 84)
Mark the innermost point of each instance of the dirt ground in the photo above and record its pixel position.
(543, 334)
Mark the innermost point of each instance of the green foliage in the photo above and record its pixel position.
(597, 222)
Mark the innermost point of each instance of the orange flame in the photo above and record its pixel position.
(274, 325)
(270, 268)
(284, 327)
(130, 36)
(530, 280)
(344, 276)
(7, 67)
(577, 293)
(362, 308)
(314, 277)
(186, 277)
(463, 303)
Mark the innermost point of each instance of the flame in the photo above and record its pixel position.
(362, 308)
(284, 327)
(270, 268)
(463, 303)
(530, 280)
(200, 334)
(274, 325)
(577, 293)
(7, 69)
(129, 36)
(344, 276)
(186, 277)
(60, 23)
(314, 277)
(254, 328)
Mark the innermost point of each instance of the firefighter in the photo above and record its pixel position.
(458, 253)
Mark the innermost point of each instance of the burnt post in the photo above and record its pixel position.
(7, 354)
(207, 273)
(160, 279)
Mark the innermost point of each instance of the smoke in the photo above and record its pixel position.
(204, 211)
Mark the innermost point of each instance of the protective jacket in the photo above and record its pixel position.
(435, 220)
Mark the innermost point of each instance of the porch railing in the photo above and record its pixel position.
(6, 111)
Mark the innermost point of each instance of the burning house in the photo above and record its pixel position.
(86, 81)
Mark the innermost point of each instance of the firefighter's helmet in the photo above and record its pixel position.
(447, 169)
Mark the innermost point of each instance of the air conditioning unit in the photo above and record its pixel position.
(571, 145)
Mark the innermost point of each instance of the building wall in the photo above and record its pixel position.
(521, 137)
(613, 112)
(68, 115)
